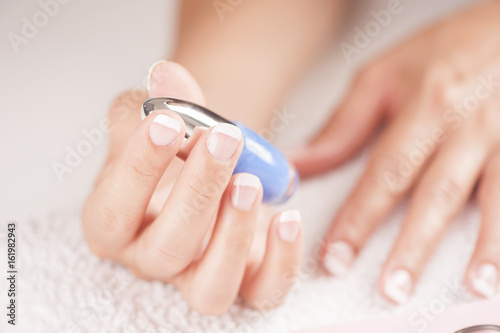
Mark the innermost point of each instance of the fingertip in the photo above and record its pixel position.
(164, 128)
(315, 159)
(289, 226)
(396, 285)
(151, 81)
(338, 258)
(352, 125)
(224, 142)
(483, 279)
(246, 191)
(170, 79)
(277, 274)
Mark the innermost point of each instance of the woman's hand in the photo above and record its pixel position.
(439, 93)
(191, 225)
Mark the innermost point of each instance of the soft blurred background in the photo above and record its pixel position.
(60, 83)
(63, 79)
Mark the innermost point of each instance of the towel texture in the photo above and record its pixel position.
(64, 288)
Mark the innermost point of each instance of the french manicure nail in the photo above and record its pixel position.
(152, 81)
(339, 258)
(398, 286)
(486, 280)
(289, 225)
(245, 190)
(223, 141)
(164, 129)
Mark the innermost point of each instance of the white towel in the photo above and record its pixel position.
(64, 288)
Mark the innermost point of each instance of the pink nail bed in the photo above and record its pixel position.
(339, 258)
(245, 190)
(164, 130)
(289, 225)
(223, 141)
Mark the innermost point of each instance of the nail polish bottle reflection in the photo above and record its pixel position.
(481, 329)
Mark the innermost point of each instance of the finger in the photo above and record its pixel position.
(396, 162)
(483, 275)
(268, 287)
(112, 214)
(161, 84)
(184, 86)
(350, 127)
(212, 285)
(115, 210)
(172, 241)
(444, 189)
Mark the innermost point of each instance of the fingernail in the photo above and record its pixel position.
(486, 280)
(245, 190)
(339, 258)
(289, 225)
(398, 286)
(223, 141)
(164, 130)
(153, 81)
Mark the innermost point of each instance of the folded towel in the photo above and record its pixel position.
(64, 288)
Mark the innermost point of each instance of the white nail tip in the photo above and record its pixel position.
(229, 130)
(290, 216)
(333, 262)
(486, 280)
(398, 286)
(151, 69)
(334, 266)
(168, 122)
(246, 179)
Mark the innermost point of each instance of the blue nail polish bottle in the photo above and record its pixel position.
(259, 157)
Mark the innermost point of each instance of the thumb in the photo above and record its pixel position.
(169, 79)
(165, 79)
(350, 127)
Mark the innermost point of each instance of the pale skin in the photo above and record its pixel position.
(442, 90)
(135, 216)
(177, 222)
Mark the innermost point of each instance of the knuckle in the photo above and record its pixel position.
(160, 261)
(103, 215)
(144, 169)
(446, 194)
(440, 86)
(387, 176)
(359, 223)
(203, 192)
(106, 219)
(416, 246)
